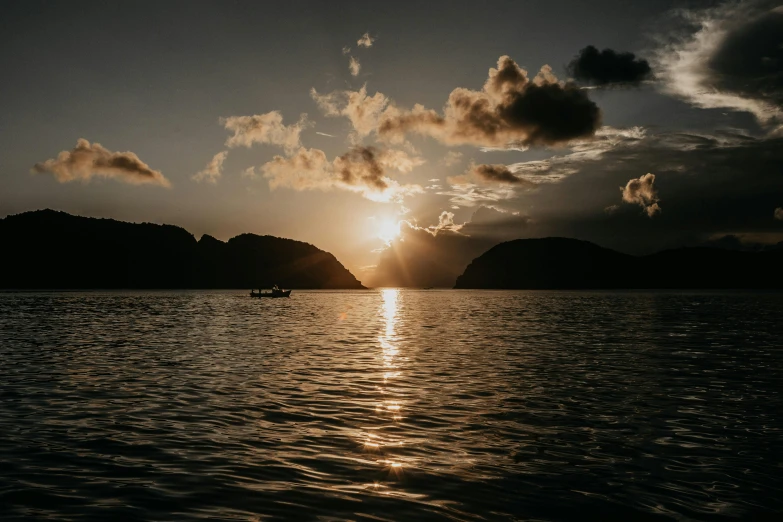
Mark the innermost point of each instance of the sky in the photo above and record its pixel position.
(404, 137)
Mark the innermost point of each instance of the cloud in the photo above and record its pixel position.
(306, 169)
(779, 213)
(86, 161)
(354, 66)
(366, 166)
(214, 169)
(365, 41)
(496, 174)
(362, 170)
(451, 158)
(265, 129)
(445, 222)
(249, 173)
(509, 109)
(730, 57)
(360, 109)
(346, 50)
(642, 192)
(608, 67)
(611, 209)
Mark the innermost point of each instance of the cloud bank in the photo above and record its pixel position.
(86, 161)
(509, 109)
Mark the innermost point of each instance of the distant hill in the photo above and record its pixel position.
(560, 263)
(49, 249)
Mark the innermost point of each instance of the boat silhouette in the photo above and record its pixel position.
(275, 292)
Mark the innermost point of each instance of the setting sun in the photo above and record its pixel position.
(388, 230)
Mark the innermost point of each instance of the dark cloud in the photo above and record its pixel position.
(86, 161)
(608, 67)
(749, 60)
(779, 213)
(642, 192)
(731, 57)
(510, 109)
(496, 173)
(361, 166)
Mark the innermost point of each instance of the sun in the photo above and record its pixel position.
(388, 230)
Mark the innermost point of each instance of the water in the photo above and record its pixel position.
(391, 405)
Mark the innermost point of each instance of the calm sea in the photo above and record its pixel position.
(391, 405)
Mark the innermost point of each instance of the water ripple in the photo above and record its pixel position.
(391, 405)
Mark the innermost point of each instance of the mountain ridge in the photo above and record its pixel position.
(57, 250)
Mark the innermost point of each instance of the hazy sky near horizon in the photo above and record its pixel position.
(190, 87)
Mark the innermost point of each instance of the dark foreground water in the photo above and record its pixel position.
(391, 405)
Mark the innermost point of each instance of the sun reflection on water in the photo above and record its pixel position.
(389, 407)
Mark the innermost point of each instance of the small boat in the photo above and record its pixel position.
(275, 292)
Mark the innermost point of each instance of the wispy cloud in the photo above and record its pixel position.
(214, 169)
(354, 66)
(468, 194)
(451, 158)
(86, 161)
(559, 167)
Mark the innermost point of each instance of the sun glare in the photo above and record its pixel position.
(388, 230)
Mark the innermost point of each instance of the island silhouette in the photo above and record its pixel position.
(47, 249)
(562, 263)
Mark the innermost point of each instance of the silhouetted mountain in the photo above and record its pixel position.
(49, 249)
(552, 263)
